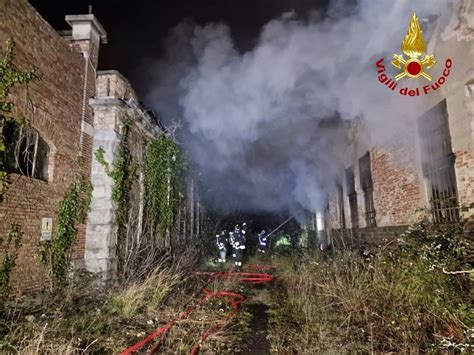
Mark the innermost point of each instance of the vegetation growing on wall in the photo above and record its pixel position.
(57, 252)
(164, 164)
(122, 172)
(10, 76)
(10, 248)
(162, 168)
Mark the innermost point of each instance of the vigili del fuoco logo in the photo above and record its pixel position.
(416, 64)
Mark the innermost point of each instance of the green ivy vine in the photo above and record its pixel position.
(163, 167)
(10, 76)
(10, 247)
(72, 210)
(122, 173)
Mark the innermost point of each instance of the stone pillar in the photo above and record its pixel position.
(101, 233)
(113, 102)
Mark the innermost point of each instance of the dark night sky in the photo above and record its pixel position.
(136, 29)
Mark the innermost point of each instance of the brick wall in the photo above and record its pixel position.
(464, 167)
(397, 194)
(88, 86)
(399, 187)
(53, 106)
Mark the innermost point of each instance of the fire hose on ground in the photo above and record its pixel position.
(232, 298)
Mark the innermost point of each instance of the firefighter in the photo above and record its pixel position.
(231, 241)
(244, 228)
(238, 243)
(262, 242)
(222, 243)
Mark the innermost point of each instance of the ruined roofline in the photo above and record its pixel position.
(153, 122)
(114, 89)
(113, 92)
(113, 72)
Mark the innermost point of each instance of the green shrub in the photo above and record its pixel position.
(437, 246)
(283, 245)
(398, 300)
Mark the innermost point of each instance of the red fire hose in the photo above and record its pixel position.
(233, 299)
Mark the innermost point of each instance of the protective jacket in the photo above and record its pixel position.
(238, 240)
(244, 229)
(262, 240)
(221, 241)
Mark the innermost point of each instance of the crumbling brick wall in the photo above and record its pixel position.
(53, 105)
(397, 195)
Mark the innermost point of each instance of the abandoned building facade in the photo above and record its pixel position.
(429, 172)
(71, 111)
(74, 110)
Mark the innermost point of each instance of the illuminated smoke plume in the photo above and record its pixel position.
(264, 128)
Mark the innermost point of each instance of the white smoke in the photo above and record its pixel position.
(263, 128)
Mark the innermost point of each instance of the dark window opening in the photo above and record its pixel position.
(352, 195)
(438, 164)
(26, 153)
(368, 188)
(340, 205)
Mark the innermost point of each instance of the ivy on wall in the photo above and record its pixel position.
(10, 77)
(122, 173)
(72, 210)
(10, 247)
(163, 167)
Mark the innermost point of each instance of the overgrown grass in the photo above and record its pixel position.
(148, 295)
(84, 318)
(397, 300)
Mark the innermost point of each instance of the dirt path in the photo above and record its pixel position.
(257, 305)
(258, 343)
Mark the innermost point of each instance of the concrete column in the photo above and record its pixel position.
(101, 229)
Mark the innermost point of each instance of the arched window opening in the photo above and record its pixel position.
(26, 152)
